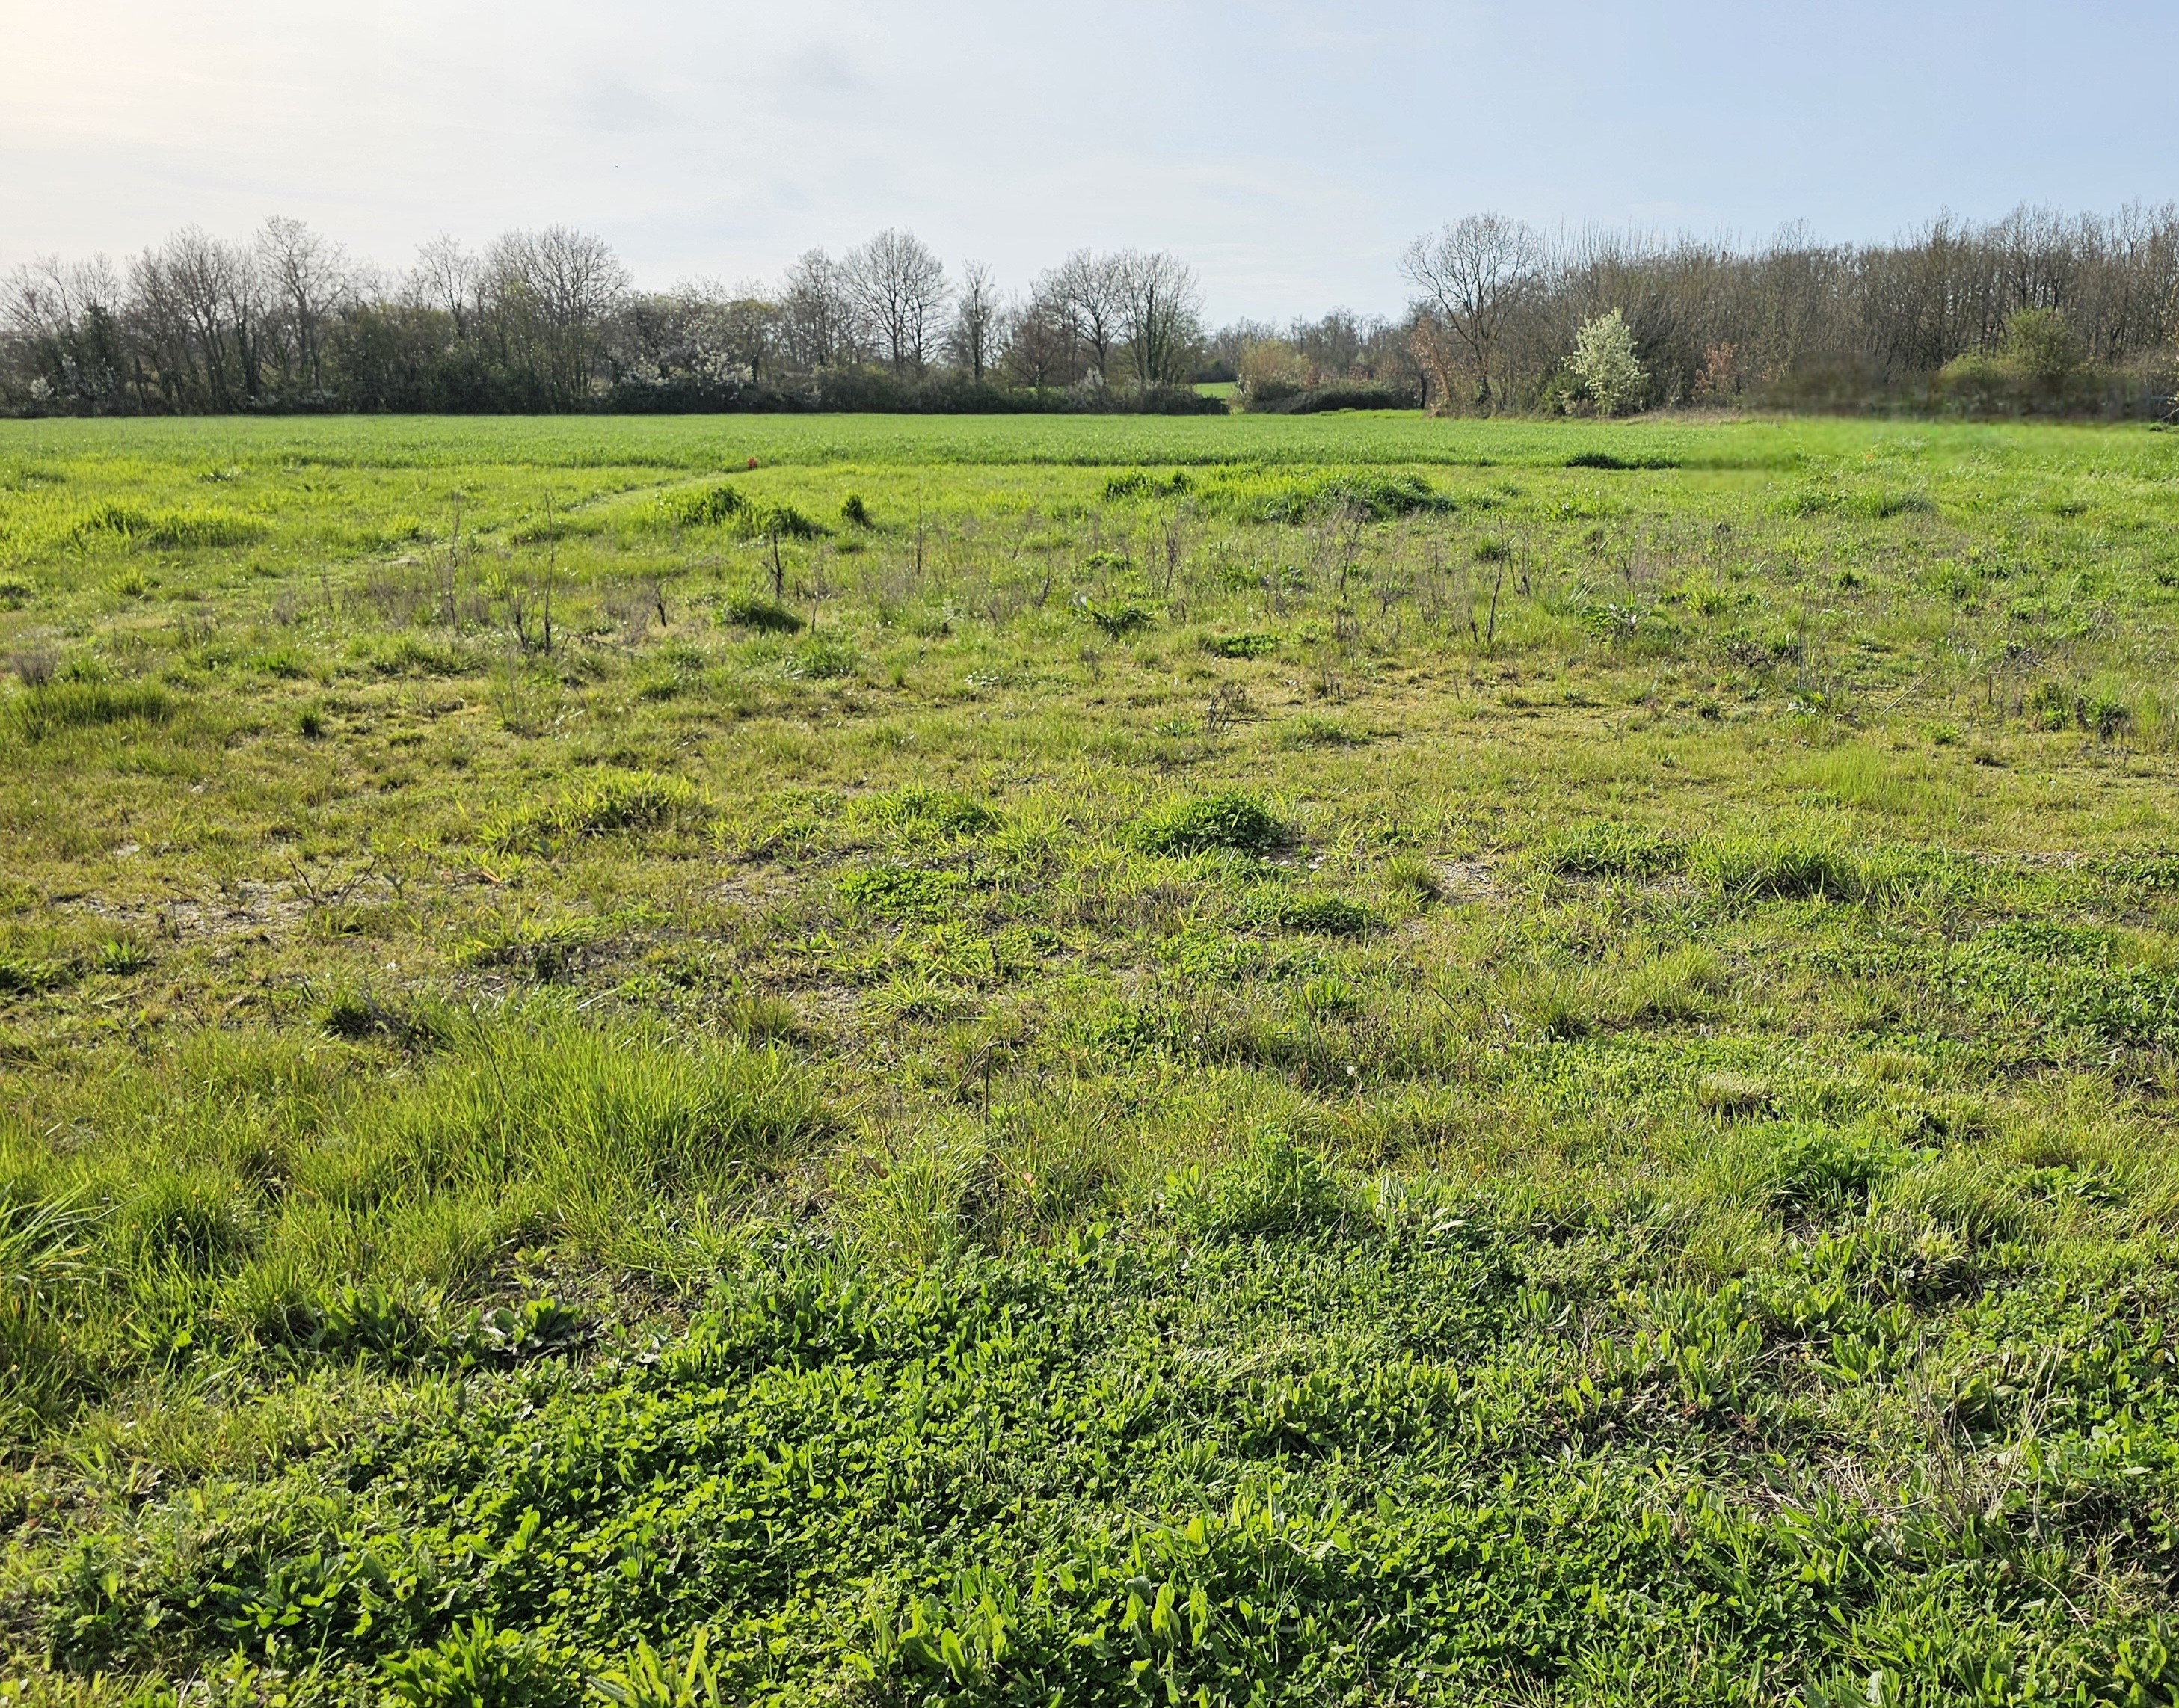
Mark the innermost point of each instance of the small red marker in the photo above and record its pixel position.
(752, 461)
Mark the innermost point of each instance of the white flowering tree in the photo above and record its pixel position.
(1604, 362)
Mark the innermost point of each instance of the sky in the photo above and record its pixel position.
(1286, 151)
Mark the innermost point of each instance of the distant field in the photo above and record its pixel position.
(1343, 1058)
(707, 441)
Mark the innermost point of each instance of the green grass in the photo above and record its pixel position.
(1233, 1059)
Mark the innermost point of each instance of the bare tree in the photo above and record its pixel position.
(973, 340)
(1334, 345)
(197, 305)
(1160, 315)
(446, 277)
(310, 278)
(1471, 275)
(1091, 289)
(899, 290)
(816, 320)
(552, 291)
(1041, 347)
(747, 325)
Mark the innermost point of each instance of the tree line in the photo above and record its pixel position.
(2040, 312)
(2037, 311)
(551, 320)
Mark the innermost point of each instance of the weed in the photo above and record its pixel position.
(1310, 729)
(744, 612)
(479, 1667)
(635, 801)
(1787, 870)
(1276, 1186)
(24, 976)
(902, 893)
(1250, 645)
(1600, 850)
(1606, 459)
(1414, 875)
(1140, 483)
(61, 706)
(1332, 915)
(118, 957)
(1117, 621)
(704, 505)
(1237, 822)
(34, 666)
(826, 660)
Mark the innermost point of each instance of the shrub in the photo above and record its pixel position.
(1604, 362)
(855, 513)
(1270, 371)
(1235, 822)
(1313, 400)
(2040, 367)
(2041, 345)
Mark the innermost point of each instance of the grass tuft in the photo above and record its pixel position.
(61, 706)
(633, 802)
(1239, 823)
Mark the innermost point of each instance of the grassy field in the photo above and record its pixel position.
(1330, 1059)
